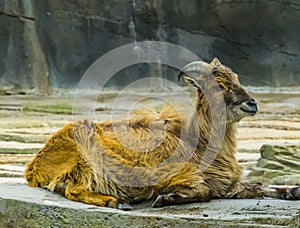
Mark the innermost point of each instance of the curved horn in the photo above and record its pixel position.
(199, 67)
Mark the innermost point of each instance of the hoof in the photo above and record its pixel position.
(296, 193)
(293, 194)
(164, 200)
(124, 206)
(118, 204)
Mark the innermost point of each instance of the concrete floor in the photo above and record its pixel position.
(33, 207)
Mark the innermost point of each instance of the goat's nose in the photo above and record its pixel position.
(252, 103)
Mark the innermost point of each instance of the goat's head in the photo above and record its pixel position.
(214, 78)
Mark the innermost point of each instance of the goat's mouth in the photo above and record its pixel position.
(249, 111)
(249, 107)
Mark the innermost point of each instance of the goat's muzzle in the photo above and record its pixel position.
(250, 107)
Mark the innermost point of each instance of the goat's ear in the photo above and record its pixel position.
(215, 62)
(191, 81)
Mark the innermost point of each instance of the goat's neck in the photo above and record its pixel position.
(217, 139)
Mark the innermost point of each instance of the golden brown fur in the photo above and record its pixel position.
(153, 155)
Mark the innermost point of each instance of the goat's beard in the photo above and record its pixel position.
(235, 114)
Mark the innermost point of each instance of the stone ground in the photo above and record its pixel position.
(27, 121)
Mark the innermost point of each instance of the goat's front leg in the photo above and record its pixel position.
(183, 194)
(254, 190)
(187, 186)
(178, 198)
(281, 192)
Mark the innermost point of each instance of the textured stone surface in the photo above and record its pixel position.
(22, 206)
(278, 165)
(51, 43)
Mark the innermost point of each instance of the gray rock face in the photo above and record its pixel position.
(278, 165)
(23, 59)
(48, 44)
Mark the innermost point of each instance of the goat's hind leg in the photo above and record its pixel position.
(78, 193)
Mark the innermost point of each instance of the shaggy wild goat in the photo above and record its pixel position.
(156, 155)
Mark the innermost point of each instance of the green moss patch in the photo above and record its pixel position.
(54, 109)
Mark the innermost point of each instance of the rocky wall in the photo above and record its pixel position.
(51, 43)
